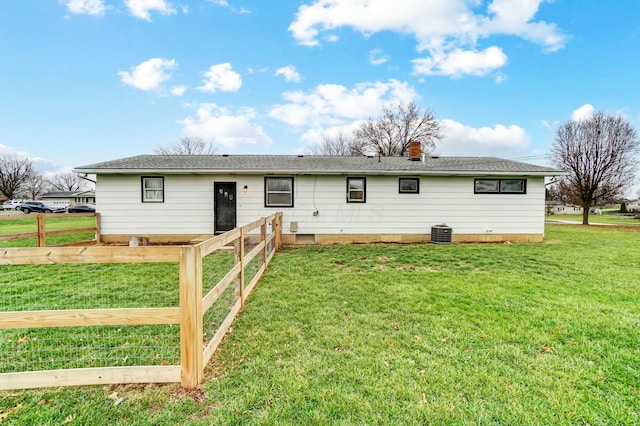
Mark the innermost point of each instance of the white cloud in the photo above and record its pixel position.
(86, 7)
(178, 90)
(582, 113)
(141, 8)
(442, 28)
(457, 63)
(221, 77)
(500, 77)
(149, 75)
(222, 127)
(515, 17)
(500, 140)
(334, 104)
(377, 57)
(317, 135)
(7, 150)
(223, 3)
(289, 73)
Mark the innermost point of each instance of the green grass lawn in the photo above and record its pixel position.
(613, 219)
(28, 224)
(409, 334)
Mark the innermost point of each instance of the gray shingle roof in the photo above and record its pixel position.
(314, 164)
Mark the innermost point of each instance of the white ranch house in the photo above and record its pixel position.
(325, 199)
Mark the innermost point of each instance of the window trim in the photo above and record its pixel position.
(400, 191)
(267, 192)
(499, 182)
(364, 189)
(144, 199)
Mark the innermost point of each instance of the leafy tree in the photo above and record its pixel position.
(599, 155)
(66, 182)
(14, 173)
(388, 135)
(623, 208)
(187, 146)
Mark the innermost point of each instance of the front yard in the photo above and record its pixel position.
(409, 334)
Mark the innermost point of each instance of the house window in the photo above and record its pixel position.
(409, 186)
(513, 186)
(278, 192)
(153, 189)
(500, 186)
(356, 190)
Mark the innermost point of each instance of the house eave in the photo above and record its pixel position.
(319, 172)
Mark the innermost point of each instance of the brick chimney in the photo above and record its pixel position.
(415, 151)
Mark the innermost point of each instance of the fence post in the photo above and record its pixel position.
(191, 355)
(98, 229)
(278, 230)
(240, 255)
(42, 232)
(263, 239)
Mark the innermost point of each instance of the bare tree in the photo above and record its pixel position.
(599, 155)
(66, 182)
(340, 144)
(35, 186)
(14, 173)
(187, 146)
(391, 134)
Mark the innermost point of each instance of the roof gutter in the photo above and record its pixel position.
(543, 173)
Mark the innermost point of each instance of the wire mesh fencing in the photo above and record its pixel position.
(94, 315)
(63, 287)
(216, 266)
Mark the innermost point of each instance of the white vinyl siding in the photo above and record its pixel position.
(188, 206)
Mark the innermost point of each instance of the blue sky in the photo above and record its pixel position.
(84, 81)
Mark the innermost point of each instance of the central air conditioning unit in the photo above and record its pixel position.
(441, 234)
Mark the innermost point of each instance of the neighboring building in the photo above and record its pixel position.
(325, 199)
(633, 206)
(559, 208)
(70, 197)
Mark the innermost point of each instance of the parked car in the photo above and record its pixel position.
(11, 205)
(40, 207)
(82, 208)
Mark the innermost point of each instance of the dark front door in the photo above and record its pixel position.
(224, 206)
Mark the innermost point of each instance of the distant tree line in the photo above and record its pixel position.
(20, 179)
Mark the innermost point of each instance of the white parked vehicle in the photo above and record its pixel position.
(11, 205)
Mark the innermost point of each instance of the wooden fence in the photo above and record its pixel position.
(194, 354)
(41, 232)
